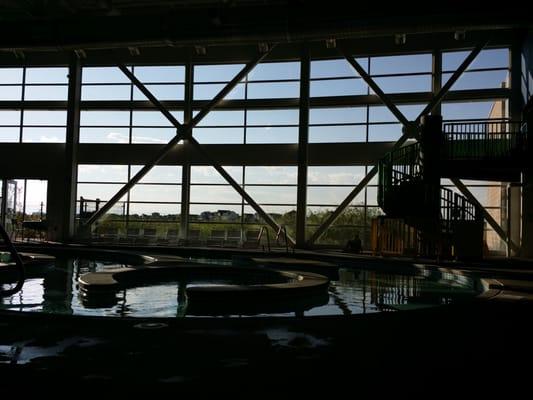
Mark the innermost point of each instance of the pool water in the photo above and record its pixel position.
(351, 291)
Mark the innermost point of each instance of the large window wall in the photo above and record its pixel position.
(263, 109)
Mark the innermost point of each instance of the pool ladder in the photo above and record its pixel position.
(18, 261)
(282, 232)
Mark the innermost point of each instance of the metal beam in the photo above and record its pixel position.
(455, 76)
(182, 131)
(374, 86)
(303, 146)
(492, 222)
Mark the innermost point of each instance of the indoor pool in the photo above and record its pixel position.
(351, 290)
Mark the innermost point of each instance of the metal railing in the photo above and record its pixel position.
(488, 139)
(18, 261)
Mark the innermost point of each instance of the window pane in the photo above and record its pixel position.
(273, 90)
(105, 118)
(337, 115)
(208, 174)
(10, 92)
(280, 175)
(10, 75)
(401, 64)
(340, 87)
(342, 175)
(337, 134)
(44, 135)
(272, 117)
(222, 118)
(335, 68)
(275, 70)
(152, 135)
(106, 92)
(219, 135)
(209, 91)
(213, 194)
(161, 92)
(164, 193)
(102, 173)
(159, 174)
(104, 75)
(175, 73)
(272, 135)
(479, 80)
(45, 117)
(46, 93)
(104, 135)
(47, 75)
(9, 134)
(216, 73)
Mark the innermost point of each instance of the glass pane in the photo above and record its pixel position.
(104, 135)
(104, 75)
(337, 115)
(273, 90)
(208, 174)
(340, 87)
(209, 91)
(216, 73)
(401, 64)
(174, 73)
(45, 117)
(102, 173)
(10, 75)
(161, 92)
(106, 92)
(342, 175)
(152, 135)
(213, 194)
(159, 174)
(105, 118)
(337, 134)
(272, 117)
(223, 118)
(275, 70)
(158, 193)
(335, 68)
(9, 134)
(272, 135)
(44, 135)
(46, 93)
(219, 135)
(279, 175)
(47, 75)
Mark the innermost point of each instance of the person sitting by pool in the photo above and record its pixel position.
(354, 245)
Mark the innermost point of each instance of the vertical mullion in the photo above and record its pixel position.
(186, 167)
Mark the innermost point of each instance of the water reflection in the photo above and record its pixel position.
(354, 291)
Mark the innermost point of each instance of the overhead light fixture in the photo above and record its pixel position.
(331, 43)
(400, 38)
(200, 50)
(19, 54)
(459, 35)
(263, 47)
(134, 51)
(80, 53)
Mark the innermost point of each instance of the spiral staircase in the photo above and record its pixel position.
(422, 217)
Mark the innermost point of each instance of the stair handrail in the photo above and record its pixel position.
(264, 229)
(18, 261)
(283, 229)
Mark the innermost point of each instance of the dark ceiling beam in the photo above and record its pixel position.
(259, 21)
(242, 53)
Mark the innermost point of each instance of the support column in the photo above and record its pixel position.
(527, 188)
(514, 211)
(67, 229)
(186, 167)
(430, 148)
(303, 141)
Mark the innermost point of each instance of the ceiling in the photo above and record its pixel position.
(40, 24)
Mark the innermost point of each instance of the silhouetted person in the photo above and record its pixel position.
(354, 245)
